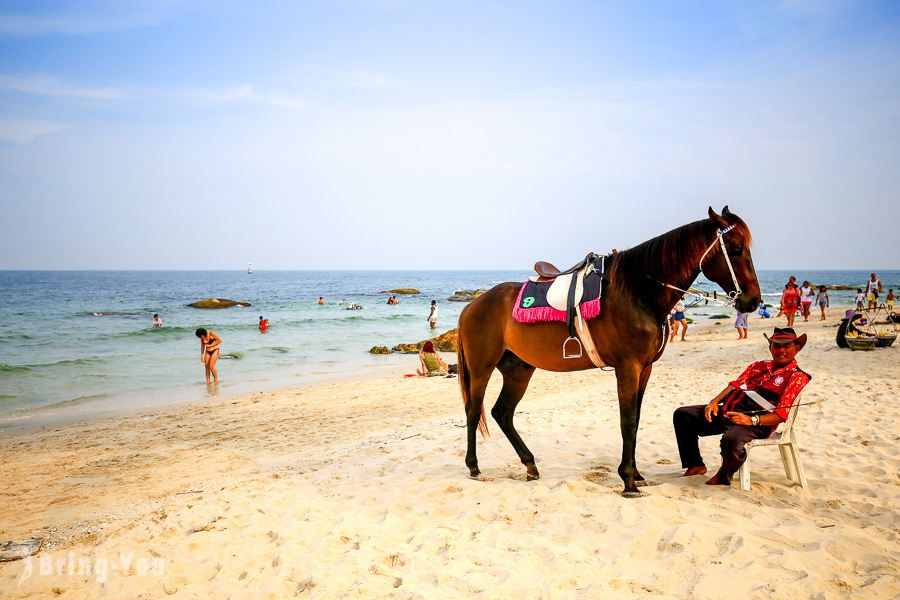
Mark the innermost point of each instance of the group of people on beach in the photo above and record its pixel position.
(429, 358)
(801, 298)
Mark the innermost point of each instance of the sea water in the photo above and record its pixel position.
(74, 343)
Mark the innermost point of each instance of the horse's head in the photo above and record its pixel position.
(733, 268)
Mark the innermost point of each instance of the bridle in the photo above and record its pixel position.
(720, 233)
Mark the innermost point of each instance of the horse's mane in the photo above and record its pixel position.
(671, 257)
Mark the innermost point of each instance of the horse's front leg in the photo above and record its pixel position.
(627, 378)
(642, 386)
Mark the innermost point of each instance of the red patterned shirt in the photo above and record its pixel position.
(760, 373)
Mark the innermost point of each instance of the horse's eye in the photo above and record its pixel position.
(734, 251)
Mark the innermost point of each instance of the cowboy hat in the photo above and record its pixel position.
(786, 335)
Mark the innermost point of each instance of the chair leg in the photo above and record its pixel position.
(787, 458)
(801, 474)
(744, 471)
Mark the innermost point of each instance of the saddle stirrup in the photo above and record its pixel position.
(566, 344)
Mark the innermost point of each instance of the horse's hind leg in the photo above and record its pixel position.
(516, 375)
(477, 384)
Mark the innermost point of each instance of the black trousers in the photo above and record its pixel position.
(691, 424)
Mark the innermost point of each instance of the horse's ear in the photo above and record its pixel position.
(719, 221)
(726, 212)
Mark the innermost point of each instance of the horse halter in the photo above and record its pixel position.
(719, 234)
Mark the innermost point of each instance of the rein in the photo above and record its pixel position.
(737, 287)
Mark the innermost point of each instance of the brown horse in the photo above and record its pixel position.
(630, 332)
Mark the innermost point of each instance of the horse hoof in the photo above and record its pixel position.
(635, 494)
(530, 477)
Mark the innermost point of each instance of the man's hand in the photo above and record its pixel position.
(711, 409)
(739, 418)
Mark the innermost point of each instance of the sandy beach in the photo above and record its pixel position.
(358, 489)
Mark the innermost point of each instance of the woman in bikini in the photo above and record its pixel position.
(209, 351)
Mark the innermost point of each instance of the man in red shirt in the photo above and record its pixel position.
(749, 408)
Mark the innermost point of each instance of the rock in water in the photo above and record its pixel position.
(217, 303)
(380, 350)
(465, 295)
(401, 291)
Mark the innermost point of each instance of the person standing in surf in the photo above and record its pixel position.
(209, 352)
(432, 318)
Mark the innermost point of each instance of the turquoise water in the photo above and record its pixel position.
(74, 342)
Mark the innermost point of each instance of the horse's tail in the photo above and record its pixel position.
(464, 378)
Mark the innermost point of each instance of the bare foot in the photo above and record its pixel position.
(701, 470)
(715, 481)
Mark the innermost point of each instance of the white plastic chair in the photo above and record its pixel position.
(786, 441)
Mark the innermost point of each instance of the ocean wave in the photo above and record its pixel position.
(23, 411)
(91, 360)
(117, 314)
(18, 336)
(157, 332)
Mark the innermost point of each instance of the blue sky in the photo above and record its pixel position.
(388, 134)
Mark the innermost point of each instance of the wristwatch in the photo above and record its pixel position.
(754, 420)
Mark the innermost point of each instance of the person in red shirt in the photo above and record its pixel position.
(263, 324)
(749, 408)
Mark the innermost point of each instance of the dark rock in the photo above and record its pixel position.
(446, 342)
(401, 291)
(217, 303)
(465, 295)
(380, 350)
(408, 347)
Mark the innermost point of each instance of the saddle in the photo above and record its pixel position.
(547, 271)
(569, 296)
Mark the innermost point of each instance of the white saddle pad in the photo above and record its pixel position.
(558, 293)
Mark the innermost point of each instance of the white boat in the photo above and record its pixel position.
(249, 268)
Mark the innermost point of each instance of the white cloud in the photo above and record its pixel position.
(49, 85)
(23, 131)
(243, 93)
(365, 80)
